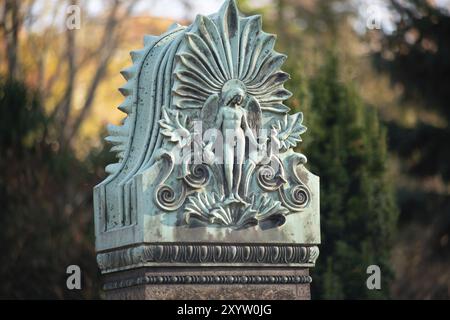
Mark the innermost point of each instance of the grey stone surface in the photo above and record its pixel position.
(207, 175)
(174, 182)
(126, 287)
(207, 255)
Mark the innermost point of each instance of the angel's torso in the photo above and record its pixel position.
(232, 118)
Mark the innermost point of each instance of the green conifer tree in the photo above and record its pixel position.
(347, 149)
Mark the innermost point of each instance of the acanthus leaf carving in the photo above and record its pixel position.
(289, 131)
(174, 127)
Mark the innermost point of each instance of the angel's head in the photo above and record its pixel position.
(233, 92)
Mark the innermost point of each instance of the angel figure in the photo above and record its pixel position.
(235, 121)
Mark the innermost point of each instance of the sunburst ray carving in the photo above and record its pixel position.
(225, 47)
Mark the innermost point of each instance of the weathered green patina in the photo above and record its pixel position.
(207, 174)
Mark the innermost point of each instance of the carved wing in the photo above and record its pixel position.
(209, 112)
(254, 115)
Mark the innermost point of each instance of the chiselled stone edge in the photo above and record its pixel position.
(252, 255)
(207, 280)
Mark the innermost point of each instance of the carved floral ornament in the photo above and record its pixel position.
(221, 135)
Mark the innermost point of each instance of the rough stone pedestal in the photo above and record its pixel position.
(209, 283)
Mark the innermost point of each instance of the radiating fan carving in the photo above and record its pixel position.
(227, 47)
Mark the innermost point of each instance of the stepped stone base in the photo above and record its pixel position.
(172, 283)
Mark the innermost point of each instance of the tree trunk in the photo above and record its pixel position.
(11, 24)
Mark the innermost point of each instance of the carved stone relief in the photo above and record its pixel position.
(205, 154)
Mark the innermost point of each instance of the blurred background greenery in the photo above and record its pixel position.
(373, 81)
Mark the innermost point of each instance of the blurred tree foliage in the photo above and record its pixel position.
(46, 219)
(417, 57)
(347, 148)
(67, 66)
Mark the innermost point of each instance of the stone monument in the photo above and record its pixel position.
(208, 199)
